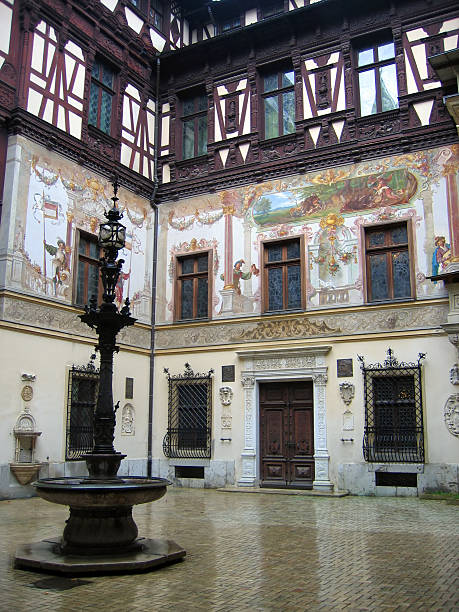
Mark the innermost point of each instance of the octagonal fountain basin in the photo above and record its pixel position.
(100, 535)
(85, 493)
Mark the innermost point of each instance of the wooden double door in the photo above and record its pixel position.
(287, 435)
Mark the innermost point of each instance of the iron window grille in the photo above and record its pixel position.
(394, 430)
(83, 386)
(189, 415)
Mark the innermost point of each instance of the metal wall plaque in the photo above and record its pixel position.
(129, 394)
(344, 368)
(228, 373)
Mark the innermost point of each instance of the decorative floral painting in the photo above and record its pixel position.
(328, 208)
(60, 198)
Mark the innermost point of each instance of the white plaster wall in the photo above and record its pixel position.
(441, 447)
(49, 359)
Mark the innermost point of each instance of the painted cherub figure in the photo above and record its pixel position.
(59, 261)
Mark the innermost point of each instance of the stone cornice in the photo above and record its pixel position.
(46, 318)
(339, 324)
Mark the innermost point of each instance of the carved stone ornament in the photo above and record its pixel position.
(348, 420)
(451, 413)
(127, 420)
(347, 391)
(226, 422)
(454, 375)
(28, 377)
(226, 395)
(27, 393)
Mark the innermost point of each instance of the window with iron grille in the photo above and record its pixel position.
(394, 431)
(83, 386)
(189, 415)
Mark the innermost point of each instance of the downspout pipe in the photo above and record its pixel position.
(154, 269)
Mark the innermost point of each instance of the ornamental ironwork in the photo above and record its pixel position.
(189, 415)
(394, 430)
(83, 386)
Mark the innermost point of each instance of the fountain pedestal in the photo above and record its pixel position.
(100, 535)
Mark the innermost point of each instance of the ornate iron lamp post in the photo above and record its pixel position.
(103, 462)
(100, 534)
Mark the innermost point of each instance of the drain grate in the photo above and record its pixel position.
(58, 583)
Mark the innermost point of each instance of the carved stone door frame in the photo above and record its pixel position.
(281, 365)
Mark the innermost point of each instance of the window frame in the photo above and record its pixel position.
(279, 70)
(76, 452)
(360, 46)
(388, 249)
(101, 87)
(181, 440)
(284, 263)
(148, 10)
(195, 275)
(194, 117)
(237, 17)
(263, 9)
(88, 260)
(398, 443)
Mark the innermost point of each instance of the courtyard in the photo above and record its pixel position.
(255, 552)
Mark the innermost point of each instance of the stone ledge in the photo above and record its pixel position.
(302, 492)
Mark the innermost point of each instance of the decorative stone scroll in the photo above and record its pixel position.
(347, 391)
(451, 414)
(226, 395)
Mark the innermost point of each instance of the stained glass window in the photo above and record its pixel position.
(282, 275)
(194, 126)
(101, 96)
(388, 263)
(279, 103)
(193, 287)
(377, 78)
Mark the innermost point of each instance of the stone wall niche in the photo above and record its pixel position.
(24, 466)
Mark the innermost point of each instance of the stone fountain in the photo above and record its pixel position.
(100, 535)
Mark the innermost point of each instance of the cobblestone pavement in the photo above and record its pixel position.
(256, 552)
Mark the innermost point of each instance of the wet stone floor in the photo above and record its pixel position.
(255, 552)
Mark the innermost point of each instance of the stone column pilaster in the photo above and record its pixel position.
(321, 456)
(248, 455)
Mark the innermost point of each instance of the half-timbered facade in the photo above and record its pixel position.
(289, 184)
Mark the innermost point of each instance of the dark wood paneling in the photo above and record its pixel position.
(286, 435)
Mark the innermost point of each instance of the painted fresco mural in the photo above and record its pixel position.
(58, 198)
(329, 208)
